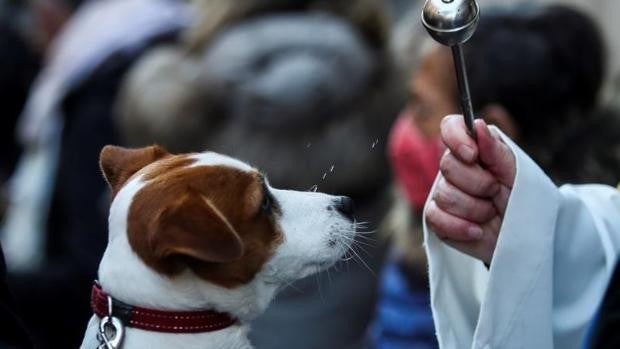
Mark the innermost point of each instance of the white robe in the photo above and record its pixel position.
(556, 252)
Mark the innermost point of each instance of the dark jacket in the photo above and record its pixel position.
(12, 331)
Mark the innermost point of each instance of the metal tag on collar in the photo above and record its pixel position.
(111, 330)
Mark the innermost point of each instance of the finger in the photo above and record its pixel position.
(472, 179)
(455, 136)
(500, 201)
(495, 154)
(460, 204)
(493, 226)
(484, 248)
(447, 226)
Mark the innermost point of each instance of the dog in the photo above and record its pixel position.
(199, 244)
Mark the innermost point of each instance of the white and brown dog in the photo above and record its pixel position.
(198, 246)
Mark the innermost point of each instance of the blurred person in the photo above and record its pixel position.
(20, 64)
(554, 87)
(19, 68)
(514, 260)
(14, 333)
(54, 232)
(367, 16)
(536, 82)
(305, 91)
(602, 11)
(48, 18)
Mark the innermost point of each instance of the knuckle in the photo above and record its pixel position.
(445, 198)
(490, 209)
(431, 213)
(484, 212)
(433, 219)
(486, 186)
(445, 164)
(440, 233)
(436, 230)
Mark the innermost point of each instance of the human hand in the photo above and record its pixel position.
(469, 201)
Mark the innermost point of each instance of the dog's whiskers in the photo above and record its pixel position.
(363, 249)
(366, 233)
(329, 277)
(318, 281)
(363, 243)
(286, 283)
(291, 285)
(361, 260)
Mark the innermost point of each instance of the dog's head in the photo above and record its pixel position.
(219, 219)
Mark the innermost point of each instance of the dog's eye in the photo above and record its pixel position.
(267, 202)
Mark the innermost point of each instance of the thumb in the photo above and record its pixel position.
(495, 155)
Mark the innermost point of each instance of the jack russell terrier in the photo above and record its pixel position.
(198, 246)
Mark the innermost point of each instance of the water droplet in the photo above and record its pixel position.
(331, 169)
(374, 144)
(314, 188)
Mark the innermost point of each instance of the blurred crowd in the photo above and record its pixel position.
(341, 95)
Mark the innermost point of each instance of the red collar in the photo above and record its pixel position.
(157, 320)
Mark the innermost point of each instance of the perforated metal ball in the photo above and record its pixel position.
(451, 22)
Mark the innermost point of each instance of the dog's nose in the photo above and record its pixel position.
(345, 205)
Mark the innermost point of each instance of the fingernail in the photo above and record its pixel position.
(474, 233)
(467, 153)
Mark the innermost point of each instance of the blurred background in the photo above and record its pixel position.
(343, 96)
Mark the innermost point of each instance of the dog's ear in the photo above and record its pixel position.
(118, 164)
(193, 226)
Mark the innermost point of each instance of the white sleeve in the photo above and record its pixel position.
(556, 252)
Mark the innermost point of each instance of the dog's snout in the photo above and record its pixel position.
(345, 205)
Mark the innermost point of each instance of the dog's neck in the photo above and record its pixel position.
(126, 278)
(134, 283)
(135, 286)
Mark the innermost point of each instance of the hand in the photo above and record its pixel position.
(469, 201)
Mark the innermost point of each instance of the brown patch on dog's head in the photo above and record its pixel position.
(210, 219)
